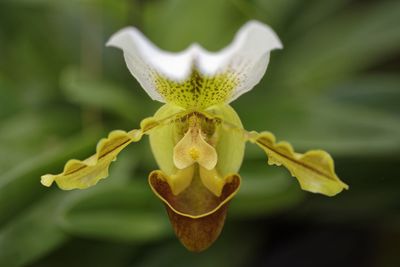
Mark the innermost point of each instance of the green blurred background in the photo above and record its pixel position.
(335, 86)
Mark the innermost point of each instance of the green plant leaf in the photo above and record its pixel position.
(213, 31)
(341, 128)
(265, 190)
(101, 94)
(21, 184)
(340, 46)
(379, 92)
(372, 199)
(128, 213)
(33, 234)
(18, 146)
(234, 248)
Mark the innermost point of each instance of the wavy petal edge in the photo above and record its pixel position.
(314, 169)
(243, 63)
(81, 174)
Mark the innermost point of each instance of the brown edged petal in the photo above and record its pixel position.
(314, 169)
(80, 174)
(196, 214)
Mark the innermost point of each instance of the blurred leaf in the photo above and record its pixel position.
(22, 134)
(380, 92)
(312, 13)
(265, 190)
(343, 129)
(371, 200)
(340, 46)
(9, 101)
(363, 133)
(14, 128)
(100, 94)
(121, 172)
(235, 247)
(170, 24)
(117, 213)
(20, 185)
(276, 12)
(31, 235)
(83, 253)
(387, 253)
(49, 2)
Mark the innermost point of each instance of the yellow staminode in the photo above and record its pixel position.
(192, 148)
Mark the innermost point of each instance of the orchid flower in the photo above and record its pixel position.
(196, 137)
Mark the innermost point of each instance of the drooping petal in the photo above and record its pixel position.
(79, 174)
(314, 169)
(196, 214)
(196, 77)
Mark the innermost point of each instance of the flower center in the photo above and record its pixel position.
(193, 148)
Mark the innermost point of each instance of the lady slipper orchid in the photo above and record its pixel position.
(196, 137)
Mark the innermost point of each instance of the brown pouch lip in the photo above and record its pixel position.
(195, 231)
(231, 187)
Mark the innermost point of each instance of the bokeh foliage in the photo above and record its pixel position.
(335, 86)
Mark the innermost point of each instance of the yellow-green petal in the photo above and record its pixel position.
(314, 169)
(79, 174)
